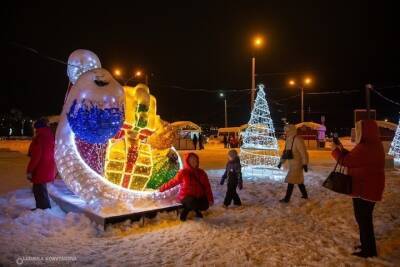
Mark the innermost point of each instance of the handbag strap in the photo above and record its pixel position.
(294, 137)
(341, 168)
(291, 147)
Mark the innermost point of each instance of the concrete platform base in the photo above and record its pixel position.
(69, 202)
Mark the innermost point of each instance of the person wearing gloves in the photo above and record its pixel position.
(365, 165)
(195, 190)
(233, 172)
(296, 155)
(41, 167)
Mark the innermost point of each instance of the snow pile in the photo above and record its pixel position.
(317, 232)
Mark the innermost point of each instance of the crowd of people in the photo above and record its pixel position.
(365, 165)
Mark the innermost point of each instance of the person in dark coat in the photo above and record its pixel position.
(41, 167)
(233, 172)
(195, 140)
(201, 141)
(225, 141)
(365, 165)
(195, 190)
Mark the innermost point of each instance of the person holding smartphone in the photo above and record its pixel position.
(365, 164)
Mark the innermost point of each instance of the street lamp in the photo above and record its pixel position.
(138, 74)
(258, 42)
(306, 81)
(226, 111)
(117, 72)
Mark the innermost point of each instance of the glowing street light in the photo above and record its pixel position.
(138, 73)
(306, 81)
(258, 42)
(117, 72)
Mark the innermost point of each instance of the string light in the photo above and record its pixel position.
(92, 123)
(395, 145)
(81, 61)
(260, 146)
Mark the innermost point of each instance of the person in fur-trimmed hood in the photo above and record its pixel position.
(233, 173)
(298, 162)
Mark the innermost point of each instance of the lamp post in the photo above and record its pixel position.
(137, 76)
(257, 43)
(226, 110)
(368, 89)
(307, 81)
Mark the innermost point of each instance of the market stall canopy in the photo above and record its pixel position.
(186, 125)
(312, 125)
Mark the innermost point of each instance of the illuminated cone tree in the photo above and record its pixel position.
(260, 147)
(395, 146)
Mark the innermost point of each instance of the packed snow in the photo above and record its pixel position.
(320, 231)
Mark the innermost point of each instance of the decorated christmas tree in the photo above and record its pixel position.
(395, 146)
(260, 147)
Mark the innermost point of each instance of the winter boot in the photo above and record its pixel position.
(184, 215)
(198, 214)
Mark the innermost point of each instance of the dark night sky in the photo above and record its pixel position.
(206, 45)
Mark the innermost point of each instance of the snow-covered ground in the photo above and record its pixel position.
(316, 232)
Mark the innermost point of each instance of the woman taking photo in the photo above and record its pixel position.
(365, 163)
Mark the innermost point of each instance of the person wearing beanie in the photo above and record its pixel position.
(233, 172)
(41, 167)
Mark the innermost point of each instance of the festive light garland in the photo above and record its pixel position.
(260, 146)
(395, 145)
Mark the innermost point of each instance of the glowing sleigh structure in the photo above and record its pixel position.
(112, 150)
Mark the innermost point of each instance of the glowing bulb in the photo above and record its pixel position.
(292, 82)
(117, 72)
(307, 80)
(258, 41)
(138, 73)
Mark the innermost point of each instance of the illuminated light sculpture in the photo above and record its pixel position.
(100, 127)
(131, 158)
(81, 61)
(395, 145)
(260, 146)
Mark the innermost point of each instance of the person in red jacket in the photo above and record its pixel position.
(195, 190)
(365, 163)
(42, 167)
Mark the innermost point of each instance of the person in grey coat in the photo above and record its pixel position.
(297, 160)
